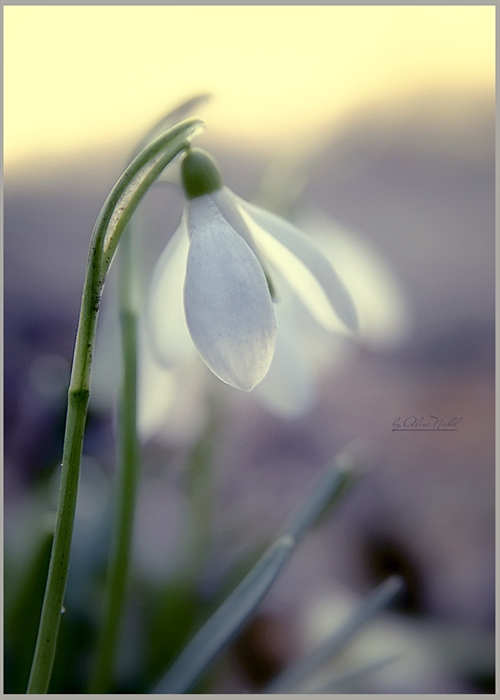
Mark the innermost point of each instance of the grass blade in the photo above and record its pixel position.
(338, 682)
(227, 621)
(377, 600)
(332, 483)
(230, 618)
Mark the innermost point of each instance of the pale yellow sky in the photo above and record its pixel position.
(79, 77)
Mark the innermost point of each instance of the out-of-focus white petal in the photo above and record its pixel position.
(305, 266)
(166, 325)
(384, 314)
(304, 348)
(156, 387)
(288, 389)
(171, 402)
(229, 311)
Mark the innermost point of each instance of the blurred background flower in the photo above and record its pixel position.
(389, 112)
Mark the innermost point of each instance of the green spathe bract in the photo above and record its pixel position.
(200, 174)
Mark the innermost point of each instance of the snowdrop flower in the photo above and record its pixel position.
(218, 282)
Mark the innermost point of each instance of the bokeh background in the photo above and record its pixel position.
(380, 118)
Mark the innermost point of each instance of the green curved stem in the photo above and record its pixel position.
(128, 441)
(113, 218)
(137, 179)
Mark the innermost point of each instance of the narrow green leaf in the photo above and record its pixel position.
(20, 621)
(332, 483)
(169, 120)
(377, 600)
(226, 622)
(232, 615)
(338, 682)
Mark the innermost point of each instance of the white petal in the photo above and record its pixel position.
(303, 350)
(288, 389)
(166, 324)
(306, 268)
(384, 313)
(227, 203)
(155, 394)
(229, 311)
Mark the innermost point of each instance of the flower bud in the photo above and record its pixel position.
(200, 174)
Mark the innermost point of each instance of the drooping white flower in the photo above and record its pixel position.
(219, 279)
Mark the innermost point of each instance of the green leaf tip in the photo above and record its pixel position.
(200, 173)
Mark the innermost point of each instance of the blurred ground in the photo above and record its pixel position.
(418, 182)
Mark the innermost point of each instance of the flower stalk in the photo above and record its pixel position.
(111, 222)
(129, 294)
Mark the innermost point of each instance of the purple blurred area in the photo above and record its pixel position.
(420, 188)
